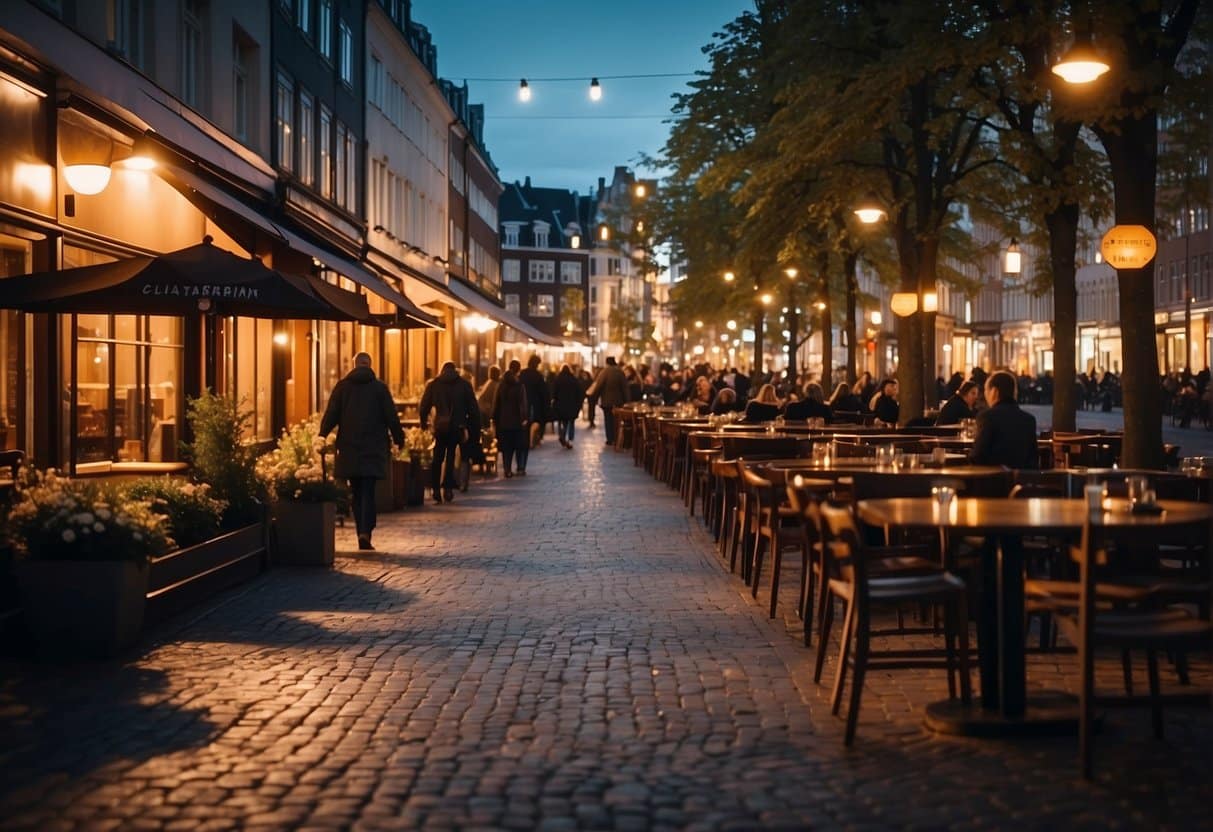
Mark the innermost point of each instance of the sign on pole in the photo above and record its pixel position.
(1128, 247)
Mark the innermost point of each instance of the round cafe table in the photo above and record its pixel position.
(1004, 708)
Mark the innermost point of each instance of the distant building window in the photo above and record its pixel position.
(511, 271)
(511, 303)
(541, 306)
(326, 152)
(511, 234)
(307, 138)
(541, 230)
(127, 21)
(346, 46)
(374, 82)
(542, 271)
(243, 61)
(285, 104)
(324, 29)
(343, 162)
(303, 16)
(192, 50)
(351, 174)
(570, 272)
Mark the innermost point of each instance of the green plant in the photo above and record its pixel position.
(56, 518)
(219, 456)
(295, 470)
(193, 515)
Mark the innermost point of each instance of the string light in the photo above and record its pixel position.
(524, 91)
(595, 90)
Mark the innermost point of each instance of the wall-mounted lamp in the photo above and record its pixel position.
(604, 232)
(641, 191)
(524, 91)
(876, 318)
(930, 302)
(575, 241)
(595, 90)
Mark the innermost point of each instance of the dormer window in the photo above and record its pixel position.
(541, 231)
(511, 234)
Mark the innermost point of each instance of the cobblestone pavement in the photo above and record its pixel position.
(559, 651)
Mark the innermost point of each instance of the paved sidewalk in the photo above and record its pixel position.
(559, 651)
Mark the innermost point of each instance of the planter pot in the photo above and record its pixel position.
(385, 494)
(83, 608)
(415, 476)
(186, 576)
(399, 478)
(303, 533)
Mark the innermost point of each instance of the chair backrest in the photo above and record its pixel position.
(807, 504)
(842, 546)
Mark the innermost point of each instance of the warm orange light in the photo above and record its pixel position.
(904, 304)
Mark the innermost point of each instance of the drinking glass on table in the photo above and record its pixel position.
(1137, 485)
(943, 494)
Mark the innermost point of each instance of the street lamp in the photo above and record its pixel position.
(870, 211)
(1013, 263)
(1082, 64)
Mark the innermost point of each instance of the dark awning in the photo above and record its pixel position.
(197, 279)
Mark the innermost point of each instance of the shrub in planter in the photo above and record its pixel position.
(219, 456)
(83, 552)
(305, 498)
(193, 514)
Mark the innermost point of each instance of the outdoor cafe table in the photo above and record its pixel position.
(1005, 708)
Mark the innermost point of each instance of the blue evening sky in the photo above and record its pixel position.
(561, 139)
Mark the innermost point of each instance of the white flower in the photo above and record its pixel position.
(69, 536)
(104, 513)
(137, 535)
(98, 527)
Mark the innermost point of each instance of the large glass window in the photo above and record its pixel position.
(326, 152)
(248, 345)
(343, 162)
(346, 38)
(350, 203)
(303, 16)
(570, 272)
(510, 270)
(124, 382)
(542, 271)
(324, 29)
(15, 259)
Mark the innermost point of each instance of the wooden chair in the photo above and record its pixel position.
(775, 526)
(847, 578)
(1141, 626)
(700, 481)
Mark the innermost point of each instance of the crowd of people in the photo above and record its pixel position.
(518, 404)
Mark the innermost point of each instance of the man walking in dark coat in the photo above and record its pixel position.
(537, 398)
(456, 416)
(362, 410)
(510, 416)
(1006, 435)
(567, 397)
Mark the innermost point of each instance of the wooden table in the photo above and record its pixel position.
(1004, 705)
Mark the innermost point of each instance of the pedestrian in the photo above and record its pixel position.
(611, 388)
(567, 397)
(1006, 434)
(487, 394)
(510, 418)
(456, 418)
(537, 398)
(362, 410)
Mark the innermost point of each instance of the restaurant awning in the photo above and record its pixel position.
(481, 304)
(195, 280)
(233, 216)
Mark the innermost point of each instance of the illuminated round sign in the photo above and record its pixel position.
(1128, 247)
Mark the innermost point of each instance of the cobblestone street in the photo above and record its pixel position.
(559, 651)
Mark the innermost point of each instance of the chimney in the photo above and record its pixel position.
(528, 182)
(601, 184)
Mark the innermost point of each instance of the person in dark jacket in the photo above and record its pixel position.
(1006, 434)
(567, 397)
(959, 405)
(537, 397)
(725, 402)
(456, 419)
(812, 406)
(362, 410)
(611, 389)
(511, 417)
(844, 400)
(884, 404)
(764, 407)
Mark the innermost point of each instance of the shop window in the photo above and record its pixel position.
(15, 259)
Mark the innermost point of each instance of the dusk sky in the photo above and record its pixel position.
(560, 138)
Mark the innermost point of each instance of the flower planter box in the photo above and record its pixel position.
(83, 608)
(412, 476)
(186, 576)
(303, 533)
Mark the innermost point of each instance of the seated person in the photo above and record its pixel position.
(764, 407)
(701, 394)
(959, 405)
(844, 399)
(812, 407)
(884, 404)
(1006, 435)
(725, 402)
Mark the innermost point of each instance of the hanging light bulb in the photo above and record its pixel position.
(870, 211)
(1014, 261)
(729, 277)
(524, 91)
(595, 90)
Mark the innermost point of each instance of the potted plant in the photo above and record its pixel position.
(304, 496)
(411, 466)
(83, 550)
(220, 457)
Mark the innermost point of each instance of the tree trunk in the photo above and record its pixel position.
(827, 322)
(758, 369)
(853, 327)
(793, 319)
(1063, 241)
(1133, 157)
